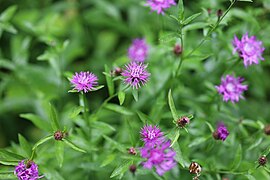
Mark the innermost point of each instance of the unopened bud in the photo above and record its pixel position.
(132, 151)
(267, 129)
(183, 121)
(219, 13)
(58, 135)
(177, 49)
(132, 168)
(262, 160)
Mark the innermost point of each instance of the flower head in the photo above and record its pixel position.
(84, 81)
(160, 5)
(160, 156)
(221, 132)
(26, 171)
(231, 88)
(151, 135)
(135, 74)
(138, 51)
(249, 49)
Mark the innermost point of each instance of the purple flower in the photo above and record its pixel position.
(221, 132)
(160, 156)
(249, 49)
(84, 81)
(231, 88)
(28, 171)
(138, 51)
(151, 135)
(135, 74)
(160, 5)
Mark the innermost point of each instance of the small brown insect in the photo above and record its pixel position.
(195, 168)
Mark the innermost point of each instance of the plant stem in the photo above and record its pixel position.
(213, 29)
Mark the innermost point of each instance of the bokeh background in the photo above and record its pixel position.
(43, 42)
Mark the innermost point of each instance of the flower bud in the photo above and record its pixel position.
(132, 168)
(219, 13)
(58, 135)
(183, 121)
(132, 151)
(177, 49)
(267, 129)
(262, 160)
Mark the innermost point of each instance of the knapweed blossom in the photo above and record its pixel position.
(161, 156)
(84, 81)
(138, 51)
(135, 74)
(26, 170)
(151, 135)
(221, 132)
(160, 5)
(231, 88)
(249, 49)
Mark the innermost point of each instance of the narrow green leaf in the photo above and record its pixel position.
(9, 163)
(195, 25)
(176, 136)
(108, 160)
(102, 126)
(9, 156)
(75, 112)
(121, 97)
(8, 13)
(118, 109)
(41, 141)
(172, 106)
(121, 169)
(144, 118)
(118, 146)
(7, 176)
(54, 119)
(198, 141)
(191, 18)
(8, 27)
(37, 121)
(109, 81)
(255, 144)
(181, 10)
(26, 147)
(179, 156)
(97, 88)
(238, 158)
(72, 91)
(135, 94)
(210, 126)
(59, 152)
(73, 146)
(246, 0)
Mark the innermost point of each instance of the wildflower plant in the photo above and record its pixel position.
(68, 73)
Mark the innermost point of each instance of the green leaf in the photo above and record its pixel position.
(121, 97)
(238, 158)
(117, 145)
(8, 13)
(210, 126)
(9, 156)
(109, 81)
(246, 0)
(41, 141)
(76, 111)
(9, 163)
(198, 141)
(181, 10)
(193, 26)
(8, 27)
(73, 146)
(121, 169)
(135, 94)
(144, 118)
(37, 121)
(255, 144)
(172, 106)
(102, 126)
(97, 88)
(179, 156)
(9, 175)
(26, 147)
(176, 136)
(118, 109)
(54, 119)
(108, 160)
(191, 18)
(59, 152)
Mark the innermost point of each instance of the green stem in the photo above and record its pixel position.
(181, 58)
(213, 29)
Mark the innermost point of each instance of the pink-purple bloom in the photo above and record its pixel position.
(151, 135)
(84, 81)
(249, 49)
(27, 170)
(161, 156)
(221, 132)
(135, 74)
(231, 88)
(160, 5)
(138, 51)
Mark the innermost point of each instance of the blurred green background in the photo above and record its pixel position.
(44, 41)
